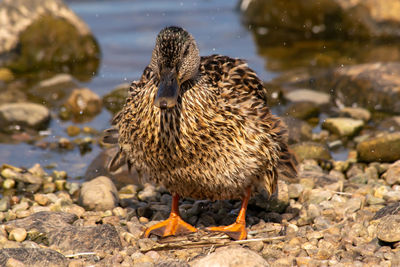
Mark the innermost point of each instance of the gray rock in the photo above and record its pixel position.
(343, 126)
(25, 115)
(299, 130)
(232, 257)
(382, 148)
(99, 194)
(388, 229)
(35, 257)
(356, 113)
(390, 124)
(303, 110)
(307, 95)
(311, 150)
(48, 34)
(392, 175)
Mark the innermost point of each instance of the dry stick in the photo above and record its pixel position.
(206, 243)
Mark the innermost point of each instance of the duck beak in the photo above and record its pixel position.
(167, 94)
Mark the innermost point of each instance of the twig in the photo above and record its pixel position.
(80, 254)
(214, 242)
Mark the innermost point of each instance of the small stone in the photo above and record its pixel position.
(371, 200)
(49, 188)
(343, 126)
(317, 195)
(60, 184)
(120, 212)
(311, 150)
(99, 194)
(302, 110)
(4, 203)
(388, 229)
(294, 190)
(149, 193)
(17, 234)
(83, 102)
(301, 95)
(392, 175)
(73, 130)
(356, 113)
(8, 184)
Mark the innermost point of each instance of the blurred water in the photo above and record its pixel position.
(126, 31)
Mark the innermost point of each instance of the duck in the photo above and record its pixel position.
(200, 126)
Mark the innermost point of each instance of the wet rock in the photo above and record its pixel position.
(356, 113)
(115, 100)
(25, 115)
(302, 110)
(99, 194)
(374, 86)
(298, 130)
(390, 124)
(91, 238)
(343, 126)
(392, 175)
(34, 257)
(6, 75)
(26, 177)
(304, 20)
(306, 95)
(231, 256)
(48, 34)
(388, 229)
(54, 90)
(382, 148)
(311, 150)
(83, 102)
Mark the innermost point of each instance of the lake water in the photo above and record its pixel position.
(126, 31)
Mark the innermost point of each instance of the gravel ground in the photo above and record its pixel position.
(335, 214)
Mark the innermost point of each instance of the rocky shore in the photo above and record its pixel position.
(335, 214)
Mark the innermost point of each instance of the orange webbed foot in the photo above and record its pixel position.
(174, 225)
(236, 230)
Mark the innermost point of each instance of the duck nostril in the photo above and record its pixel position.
(163, 104)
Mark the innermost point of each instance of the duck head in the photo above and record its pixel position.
(175, 59)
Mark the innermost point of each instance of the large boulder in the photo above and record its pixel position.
(45, 33)
(375, 86)
(293, 19)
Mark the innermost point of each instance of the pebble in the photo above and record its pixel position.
(8, 183)
(343, 126)
(18, 234)
(392, 175)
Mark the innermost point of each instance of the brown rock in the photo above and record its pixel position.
(83, 102)
(388, 229)
(382, 148)
(392, 175)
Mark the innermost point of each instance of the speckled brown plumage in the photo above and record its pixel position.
(219, 139)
